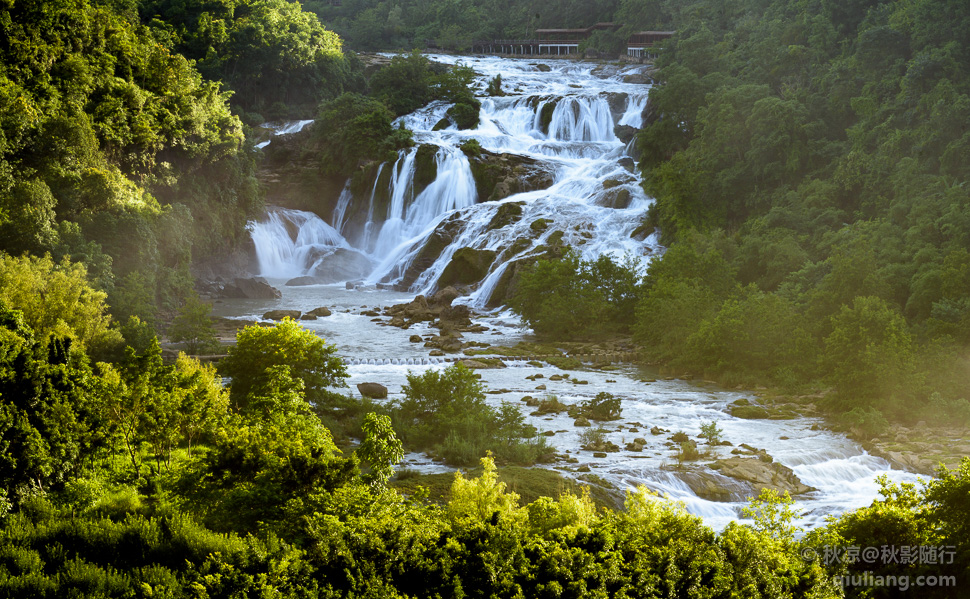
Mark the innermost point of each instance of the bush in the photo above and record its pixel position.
(605, 406)
(446, 410)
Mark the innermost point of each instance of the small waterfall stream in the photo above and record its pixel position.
(594, 203)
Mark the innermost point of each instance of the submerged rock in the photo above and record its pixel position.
(281, 314)
(340, 265)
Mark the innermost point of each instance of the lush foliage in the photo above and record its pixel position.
(804, 162)
(141, 479)
(276, 57)
(355, 128)
(574, 299)
(265, 358)
(110, 144)
(446, 411)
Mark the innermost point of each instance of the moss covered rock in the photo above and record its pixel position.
(467, 266)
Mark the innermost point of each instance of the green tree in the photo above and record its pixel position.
(380, 448)
(56, 298)
(870, 353)
(307, 356)
(193, 326)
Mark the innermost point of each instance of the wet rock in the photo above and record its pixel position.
(748, 412)
(467, 267)
(372, 390)
(445, 343)
(506, 214)
(340, 264)
(455, 316)
(543, 67)
(252, 288)
(581, 421)
(498, 176)
(636, 447)
(656, 430)
(624, 133)
(443, 235)
(443, 297)
(308, 317)
(322, 311)
(281, 314)
(638, 78)
(415, 339)
(762, 475)
(304, 281)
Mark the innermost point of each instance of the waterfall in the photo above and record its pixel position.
(294, 243)
(582, 119)
(633, 116)
(411, 227)
(407, 225)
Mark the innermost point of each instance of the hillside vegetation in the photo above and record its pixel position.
(809, 162)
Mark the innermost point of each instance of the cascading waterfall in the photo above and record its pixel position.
(582, 119)
(289, 243)
(593, 202)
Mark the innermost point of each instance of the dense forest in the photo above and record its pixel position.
(456, 24)
(808, 161)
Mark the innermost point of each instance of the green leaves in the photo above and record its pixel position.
(380, 448)
(259, 349)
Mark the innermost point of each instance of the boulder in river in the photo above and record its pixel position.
(252, 288)
(304, 281)
(762, 475)
(281, 314)
(321, 311)
(372, 390)
(340, 265)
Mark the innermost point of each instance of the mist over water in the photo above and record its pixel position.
(587, 162)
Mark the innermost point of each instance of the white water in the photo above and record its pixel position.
(582, 153)
(290, 243)
(282, 129)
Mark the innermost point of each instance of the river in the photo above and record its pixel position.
(589, 167)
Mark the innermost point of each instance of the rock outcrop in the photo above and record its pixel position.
(497, 176)
(762, 474)
(252, 288)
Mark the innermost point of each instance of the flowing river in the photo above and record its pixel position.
(593, 202)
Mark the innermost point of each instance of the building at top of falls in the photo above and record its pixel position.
(565, 42)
